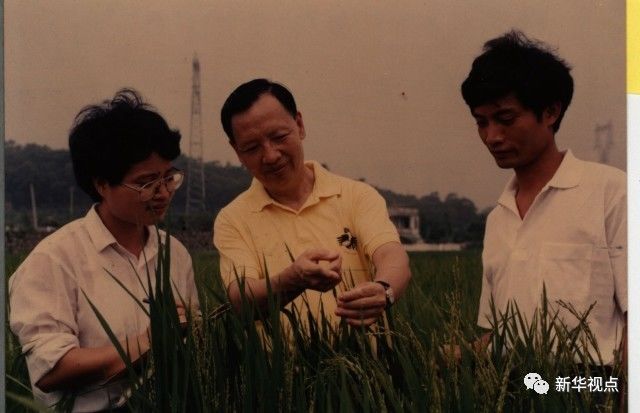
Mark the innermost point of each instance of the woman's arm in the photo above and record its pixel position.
(81, 365)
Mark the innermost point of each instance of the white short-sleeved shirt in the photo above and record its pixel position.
(573, 240)
(50, 315)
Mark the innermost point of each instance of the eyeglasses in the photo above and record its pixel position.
(148, 190)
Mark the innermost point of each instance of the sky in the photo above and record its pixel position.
(377, 82)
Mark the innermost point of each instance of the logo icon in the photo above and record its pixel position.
(541, 387)
(534, 381)
(530, 379)
(348, 240)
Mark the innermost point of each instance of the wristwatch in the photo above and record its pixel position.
(388, 292)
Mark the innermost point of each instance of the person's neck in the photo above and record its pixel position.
(132, 237)
(298, 192)
(533, 177)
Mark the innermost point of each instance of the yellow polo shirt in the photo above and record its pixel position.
(256, 235)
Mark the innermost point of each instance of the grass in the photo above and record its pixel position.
(226, 363)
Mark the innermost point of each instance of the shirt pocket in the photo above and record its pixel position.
(566, 272)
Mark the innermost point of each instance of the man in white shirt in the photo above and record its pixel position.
(560, 222)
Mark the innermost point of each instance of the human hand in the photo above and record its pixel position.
(180, 308)
(452, 352)
(363, 304)
(182, 314)
(183, 317)
(317, 269)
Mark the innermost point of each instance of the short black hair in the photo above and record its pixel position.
(526, 68)
(245, 95)
(107, 139)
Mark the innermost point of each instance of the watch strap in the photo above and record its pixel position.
(388, 292)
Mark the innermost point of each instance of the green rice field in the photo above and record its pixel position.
(226, 364)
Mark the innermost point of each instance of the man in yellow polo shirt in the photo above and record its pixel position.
(308, 229)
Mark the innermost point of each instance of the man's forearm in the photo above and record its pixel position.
(256, 291)
(392, 267)
(316, 269)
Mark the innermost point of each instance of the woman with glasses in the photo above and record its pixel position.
(122, 152)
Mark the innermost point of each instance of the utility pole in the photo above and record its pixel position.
(195, 166)
(34, 209)
(71, 189)
(604, 141)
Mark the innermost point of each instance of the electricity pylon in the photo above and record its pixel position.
(195, 166)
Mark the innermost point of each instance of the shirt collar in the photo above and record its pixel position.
(568, 173)
(567, 176)
(325, 185)
(103, 238)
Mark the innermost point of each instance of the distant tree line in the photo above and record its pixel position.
(59, 200)
(452, 219)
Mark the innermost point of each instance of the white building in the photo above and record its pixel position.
(407, 221)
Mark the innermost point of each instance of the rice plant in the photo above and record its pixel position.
(224, 360)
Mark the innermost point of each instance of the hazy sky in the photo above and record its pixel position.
(377, 82)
